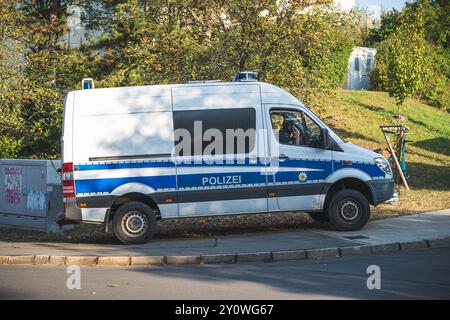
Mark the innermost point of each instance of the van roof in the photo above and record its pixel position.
(269, 93)
(200, 83)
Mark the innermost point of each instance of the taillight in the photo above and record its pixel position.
(67, 180)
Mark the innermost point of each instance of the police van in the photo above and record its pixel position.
(135, 155)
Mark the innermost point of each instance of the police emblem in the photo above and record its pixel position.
(302, 176)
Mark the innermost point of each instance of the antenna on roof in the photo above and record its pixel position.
(204, 81)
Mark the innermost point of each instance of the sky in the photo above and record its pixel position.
(374, 6)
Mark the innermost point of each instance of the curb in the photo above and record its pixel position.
(265, 256)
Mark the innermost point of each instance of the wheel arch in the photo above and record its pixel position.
(134, 196)
(349, 183)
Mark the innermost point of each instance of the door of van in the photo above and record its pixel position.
(299, 165)
(224, 181)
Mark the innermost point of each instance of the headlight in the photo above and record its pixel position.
(383, 164)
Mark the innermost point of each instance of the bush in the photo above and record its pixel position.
(436, 91)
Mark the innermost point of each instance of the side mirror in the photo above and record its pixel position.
(325, 138)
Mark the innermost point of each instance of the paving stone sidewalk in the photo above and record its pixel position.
(415, 232)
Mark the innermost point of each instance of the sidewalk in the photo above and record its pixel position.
(415, 232)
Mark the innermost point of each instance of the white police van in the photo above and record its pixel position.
(123, 164)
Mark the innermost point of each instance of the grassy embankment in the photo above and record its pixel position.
(356, 116)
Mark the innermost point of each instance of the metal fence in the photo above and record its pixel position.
(31, 195)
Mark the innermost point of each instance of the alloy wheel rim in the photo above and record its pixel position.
(134, 223)
(349, 211)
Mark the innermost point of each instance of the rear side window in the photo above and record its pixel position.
(356, 63)
(214, 131)
(369, 64)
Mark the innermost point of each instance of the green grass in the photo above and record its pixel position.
(356, 116)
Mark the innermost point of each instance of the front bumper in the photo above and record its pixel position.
(382, 190)
(71, 215)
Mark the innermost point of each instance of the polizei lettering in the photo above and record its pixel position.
(221, 180)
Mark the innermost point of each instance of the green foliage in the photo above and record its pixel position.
(302, 46)
(11, 46)
(403, 66)
(436, 19)
(436, 22)
(389, 21)
(35, 69)
(436, 91)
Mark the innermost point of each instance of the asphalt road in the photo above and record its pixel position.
(404, 275)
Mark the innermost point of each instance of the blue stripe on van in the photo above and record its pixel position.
(108, 185)
(371, 169)
(293, 176)
(196, 180)
(164, 182)
(326, 165)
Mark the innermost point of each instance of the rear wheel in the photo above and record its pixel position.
(320, 216)
(348, 210)
(134, 222)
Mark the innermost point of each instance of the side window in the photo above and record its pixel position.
(369, 64)
(311, 127)
(214, 131)
(295, 128)
(285, 125)
(356, 66)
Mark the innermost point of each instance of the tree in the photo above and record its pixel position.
(389, 21)
(402, 62)
(436, 22)
(35, 70)
(12, 47)
(436, 15)
(300, 45)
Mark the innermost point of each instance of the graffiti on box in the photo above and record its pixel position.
(13, 184)
(36, 200)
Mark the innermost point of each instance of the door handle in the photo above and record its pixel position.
(253, 159)
(282, 157)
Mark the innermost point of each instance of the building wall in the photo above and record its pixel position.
(360, 64)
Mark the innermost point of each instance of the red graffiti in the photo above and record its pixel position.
(13, 184)
(12, 196)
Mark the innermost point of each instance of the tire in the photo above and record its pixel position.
(348, 210)
(319, 217)
(134, 222)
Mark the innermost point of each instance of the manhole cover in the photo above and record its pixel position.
(356, 237)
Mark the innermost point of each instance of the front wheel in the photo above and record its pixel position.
(348, 210)
(134, 222)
